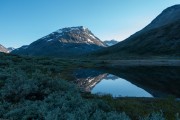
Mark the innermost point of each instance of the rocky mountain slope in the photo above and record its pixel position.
(160, 38)
(66, 42)
(3, 49)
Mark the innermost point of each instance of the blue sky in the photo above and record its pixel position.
(24, 21)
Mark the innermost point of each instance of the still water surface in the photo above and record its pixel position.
(131, 81)
(119, 87)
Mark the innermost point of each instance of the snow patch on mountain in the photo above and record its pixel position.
(92, 36)
(49, 40)
(90, 41)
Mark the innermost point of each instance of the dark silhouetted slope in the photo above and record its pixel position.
(160, 38)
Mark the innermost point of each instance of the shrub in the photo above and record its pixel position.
(43, 98)
(177, 116)
(154, 116)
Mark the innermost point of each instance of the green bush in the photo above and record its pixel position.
(43, 98)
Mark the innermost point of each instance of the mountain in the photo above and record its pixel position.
(24, 47)
(3, 49)
(66, 42)
(160, 38)
(110, 42)
(10, 49)
(168, 16)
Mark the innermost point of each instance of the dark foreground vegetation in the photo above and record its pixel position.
(33, 88)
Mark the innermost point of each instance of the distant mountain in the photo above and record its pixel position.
(160, 38)
(3, 49)
(21, 48)
(110, 42)
(10, 49)
(66, 42)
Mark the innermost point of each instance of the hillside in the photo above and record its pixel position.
(160, 38)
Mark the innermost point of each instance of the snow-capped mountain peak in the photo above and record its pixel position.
(69, 41)
(70, 29)
(78, 34)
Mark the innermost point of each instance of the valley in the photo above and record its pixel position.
(71, 74)
(37, 71)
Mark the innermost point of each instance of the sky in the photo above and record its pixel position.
(24, 21)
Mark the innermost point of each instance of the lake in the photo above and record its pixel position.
(131, 81)
(118, 87)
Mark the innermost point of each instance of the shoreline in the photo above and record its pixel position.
(117, 63)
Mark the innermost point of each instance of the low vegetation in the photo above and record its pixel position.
(33, 88)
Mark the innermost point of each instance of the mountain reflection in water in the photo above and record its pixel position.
(118, 88)
(103, 83)
(131, 81)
